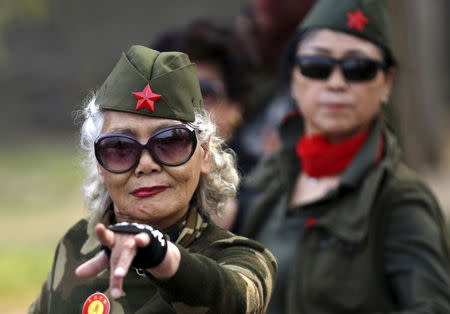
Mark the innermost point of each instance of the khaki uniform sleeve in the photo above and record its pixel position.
(232, 276)
(417, 259)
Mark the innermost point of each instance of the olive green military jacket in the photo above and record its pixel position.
(218, 273)
(378, 246)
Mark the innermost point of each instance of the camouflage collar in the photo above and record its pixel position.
(364, 159)
(191, 228)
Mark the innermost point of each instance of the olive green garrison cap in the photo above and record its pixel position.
(363, 18)
(153, 83)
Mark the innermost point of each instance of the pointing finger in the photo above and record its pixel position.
(93, 266)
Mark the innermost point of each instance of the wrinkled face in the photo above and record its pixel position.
(336, 107)
(150, 193)
(226, 114)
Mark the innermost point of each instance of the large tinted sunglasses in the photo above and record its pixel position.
(172, 146)
(355, 69)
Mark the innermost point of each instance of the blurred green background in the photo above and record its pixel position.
(40, 198)
(54, 52)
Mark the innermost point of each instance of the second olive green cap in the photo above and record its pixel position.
(363, 18)
(152, 83)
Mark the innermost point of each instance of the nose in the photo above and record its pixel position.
(336, 80)
(146, 164)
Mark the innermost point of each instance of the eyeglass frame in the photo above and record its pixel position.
(146, 146)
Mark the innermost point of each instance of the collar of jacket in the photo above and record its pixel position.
(359, 187)
(350, 216)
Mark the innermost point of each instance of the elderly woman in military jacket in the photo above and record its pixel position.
(156, 172)
(353, 229)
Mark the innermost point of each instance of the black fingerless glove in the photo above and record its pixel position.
(146, 257)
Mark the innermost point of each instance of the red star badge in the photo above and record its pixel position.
(357, 20)
(146, 98)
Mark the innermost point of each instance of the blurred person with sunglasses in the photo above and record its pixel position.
(156, 172)
(223, 69)
(354, 230)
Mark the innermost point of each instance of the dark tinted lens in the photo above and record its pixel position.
(315, 67)
(359, 69)
(211, 89)
(174, 146)
(118, 154)
(207, 88)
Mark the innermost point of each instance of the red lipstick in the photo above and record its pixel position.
(149, 191)
(335, 106)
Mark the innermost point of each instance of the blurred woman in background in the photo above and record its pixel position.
(354, 230)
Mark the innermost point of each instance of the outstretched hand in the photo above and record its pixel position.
(123, 247)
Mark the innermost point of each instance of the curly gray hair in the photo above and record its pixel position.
(214, 188)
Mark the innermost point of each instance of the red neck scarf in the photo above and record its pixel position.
(319, 157)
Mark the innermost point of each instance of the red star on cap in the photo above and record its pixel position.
(146, 98)
(357, 20)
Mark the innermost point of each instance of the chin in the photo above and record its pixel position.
(342, 133)
(338, 130)
(336, 124)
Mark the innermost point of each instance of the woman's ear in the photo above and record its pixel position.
(293, 84)
(206, 157)
(101, 174)
(389, 82)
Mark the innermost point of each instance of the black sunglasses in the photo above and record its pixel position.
(210, 88)
(172, 146)
(355, 69)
